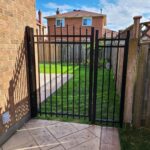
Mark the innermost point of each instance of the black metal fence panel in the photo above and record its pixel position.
(81, 75)
(110, 68)
(64, 72)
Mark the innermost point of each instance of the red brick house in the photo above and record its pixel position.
(77, 18)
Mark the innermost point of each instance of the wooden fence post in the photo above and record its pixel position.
(139, 87)
(147, 118)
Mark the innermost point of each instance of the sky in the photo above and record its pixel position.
(119, 13)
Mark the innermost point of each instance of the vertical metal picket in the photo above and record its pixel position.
(95, 76)
(109, 77)
(38, 50)
(116, 77)
(55, 42)
(91, 74)
(67, 72)
(61, 44)
(73, 71)
(50, 71)
(85, 77)
(44, 58)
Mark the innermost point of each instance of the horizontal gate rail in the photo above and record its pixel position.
(112, 46)
(64, 42)
(66, 114)
(67, 35)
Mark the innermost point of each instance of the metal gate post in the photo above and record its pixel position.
(31, 70)
(124, 75)
(91, 74)
(95, 76)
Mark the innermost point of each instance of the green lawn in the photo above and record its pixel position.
(78, 103)
(53, 68)
(135, 139)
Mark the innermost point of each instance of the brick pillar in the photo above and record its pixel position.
(40, 16)
(40, 21)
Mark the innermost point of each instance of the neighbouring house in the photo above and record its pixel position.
(15, 15)
(110, 33)
(77, 18)
(63, 23)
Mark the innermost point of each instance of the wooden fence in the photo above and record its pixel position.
(53, 52)
(141, 106)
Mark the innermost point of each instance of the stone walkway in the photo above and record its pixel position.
(53, 83)
(55, 135)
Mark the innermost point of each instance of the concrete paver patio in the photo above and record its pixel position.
(55, 135)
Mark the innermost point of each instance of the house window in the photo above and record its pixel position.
(59, 22)
(87, 21)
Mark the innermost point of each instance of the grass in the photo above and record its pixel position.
(135, 139)
(80, 99)
(53, 68)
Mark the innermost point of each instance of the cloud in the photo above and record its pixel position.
(120, 14)
(93, 9)
(64, 8)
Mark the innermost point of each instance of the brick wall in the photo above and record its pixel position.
(15, 15)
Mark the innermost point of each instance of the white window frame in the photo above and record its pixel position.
(87, 18)
(63, 19)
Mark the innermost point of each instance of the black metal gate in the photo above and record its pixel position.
(78, 74)
(110, 69)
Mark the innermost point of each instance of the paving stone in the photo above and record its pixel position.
(79, 126)
(44, 139)
(89, 145)
(58, 148)
(55, 135)
(110, 136)
(62, 129)
(36, 123)
(76, 138)
(21, 139)
(96, 130)
(109, 147)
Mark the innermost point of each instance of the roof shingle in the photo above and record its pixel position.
(77, 14)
